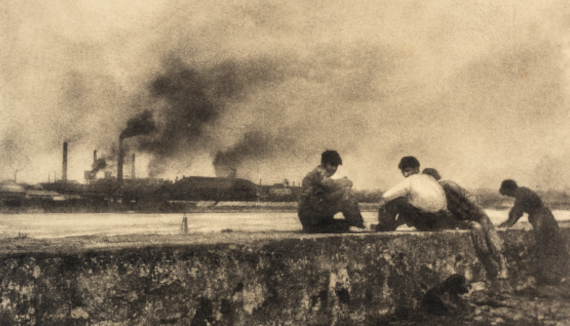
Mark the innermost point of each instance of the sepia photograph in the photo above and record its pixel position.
(276, 163)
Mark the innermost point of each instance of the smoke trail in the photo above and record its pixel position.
(192, 101)
(141, 124)
(255, 146)
(98, 165)
(186, 111)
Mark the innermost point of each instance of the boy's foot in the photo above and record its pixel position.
(356, 229)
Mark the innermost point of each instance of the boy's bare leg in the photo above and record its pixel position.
(343, 200)
(495, 244)
(489, 244)
(388, 216)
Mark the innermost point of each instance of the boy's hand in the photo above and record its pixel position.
(344, 182)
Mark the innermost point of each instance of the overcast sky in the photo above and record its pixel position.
(476, 89)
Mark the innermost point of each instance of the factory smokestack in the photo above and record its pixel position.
(120, 161)
(141, 124)
(93, 171)
(98, 164)
(133, 171)
(64, 167)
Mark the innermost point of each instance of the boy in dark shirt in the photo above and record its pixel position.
(552, 254)
(322, 197)
(463, 205)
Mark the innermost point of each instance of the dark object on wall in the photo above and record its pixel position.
(445, 299)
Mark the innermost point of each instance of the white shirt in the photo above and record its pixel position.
(421, 191)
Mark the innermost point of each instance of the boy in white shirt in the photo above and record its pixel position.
(418, 201)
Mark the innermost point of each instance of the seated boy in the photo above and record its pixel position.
(418, 201)
(322, 197)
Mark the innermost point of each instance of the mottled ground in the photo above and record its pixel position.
(493, 304)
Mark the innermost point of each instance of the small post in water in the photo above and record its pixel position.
(184, 226)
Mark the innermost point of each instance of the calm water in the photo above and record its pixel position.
(66, 225)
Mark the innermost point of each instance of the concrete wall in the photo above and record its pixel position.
(310, 280)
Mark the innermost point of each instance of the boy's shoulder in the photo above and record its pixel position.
(450, 184)
(425, 181)
(524, 191)
(525, 194)
(319, 172)
(420, 178)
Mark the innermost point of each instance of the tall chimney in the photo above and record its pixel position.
(120, 161)
(64, 167)
(133, 171)
(94, 171)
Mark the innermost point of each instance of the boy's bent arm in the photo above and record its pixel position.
(399, 190)
(335, 184)
(514, 214)
(460, 190)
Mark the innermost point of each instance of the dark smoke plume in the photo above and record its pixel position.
(187, 110)
(100, 164)
(194, 99)
(254, 146)
(141, 124)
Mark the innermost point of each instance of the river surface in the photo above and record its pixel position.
(85, 224)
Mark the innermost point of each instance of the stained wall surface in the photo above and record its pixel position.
(346, 279)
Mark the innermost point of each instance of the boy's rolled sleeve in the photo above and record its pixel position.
(399, 190)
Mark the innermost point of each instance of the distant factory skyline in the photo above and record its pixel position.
(476, 89)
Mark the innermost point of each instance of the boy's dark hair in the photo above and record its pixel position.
(408, 162)
(331, 157)
(508, 186)
(432, 172)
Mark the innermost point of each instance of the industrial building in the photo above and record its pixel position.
(147, 194)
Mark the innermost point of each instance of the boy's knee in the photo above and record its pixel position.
(475, 226)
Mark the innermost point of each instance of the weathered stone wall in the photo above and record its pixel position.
(312, 280)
